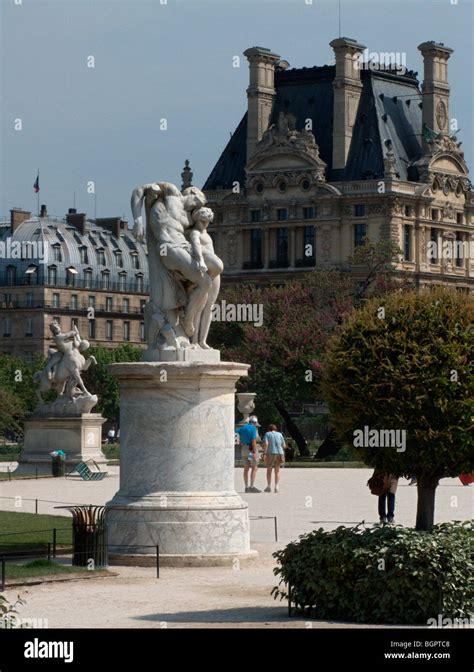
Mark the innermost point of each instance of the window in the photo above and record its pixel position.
(56, 300)
(135, 260)
(459, 252)
(305, 185)
(255, 215)
(105, 280)
(57, 319)
(459, 218)
(434, 241)
(91, 302)
(407, 211)
(139, 283)
(7, 326)
(282, 214)
(74, 301)
(32, 275)
(359, 210)
(87, 278)
(282, 186)
(360, 233)
(11, 276)
(91, 328)
(52, 275)
(119, 259)
(309, 249)
(84, 255)
(126, 305)
(109, 330)
(126, 331)
(108, 304)
(259, 188)
(308, 212)
(142, 331)
(29, 300)
(57, 255)
(407, 242)
(142, 305)
(256, 246)
(282, 246)
(71, 276)
(29, 326)
(122, 281)
(434, 214)
(100, 257)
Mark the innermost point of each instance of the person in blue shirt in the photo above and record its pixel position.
(248, 439)
(274, 451)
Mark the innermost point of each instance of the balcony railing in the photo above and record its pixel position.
(99, 284)
(82, 309)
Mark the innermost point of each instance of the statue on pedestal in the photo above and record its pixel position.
(184, 269)
(62, 373)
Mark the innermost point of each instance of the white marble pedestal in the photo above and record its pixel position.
(80, 437)
(177, 466)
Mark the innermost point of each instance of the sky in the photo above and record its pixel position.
(173, 60)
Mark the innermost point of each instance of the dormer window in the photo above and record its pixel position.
(122, 282)
(135, 260)
(52, 275)
(11, 275)
(88, 278)
(139, 283)
(119, 259)
(84, 255)
(57, 254)
(105, 280)
(100, 257)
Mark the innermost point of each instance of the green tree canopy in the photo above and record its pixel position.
(407, 362)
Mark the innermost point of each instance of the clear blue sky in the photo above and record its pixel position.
(173, 61)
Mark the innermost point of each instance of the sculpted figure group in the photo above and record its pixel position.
(184, 269)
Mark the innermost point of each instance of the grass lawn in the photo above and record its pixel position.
(34, 529)
(39, 568)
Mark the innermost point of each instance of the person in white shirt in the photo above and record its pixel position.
(274, 452)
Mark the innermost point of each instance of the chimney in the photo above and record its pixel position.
(17, 217)
(347, 91)
(435, 87)
(78, 220)
(43, 211)
(112, 224)
(260, 93)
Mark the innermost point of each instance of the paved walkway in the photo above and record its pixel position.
(213, 597)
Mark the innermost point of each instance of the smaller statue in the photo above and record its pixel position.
(62, 373)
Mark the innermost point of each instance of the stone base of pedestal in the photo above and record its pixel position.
(177, 466)
(80, 437)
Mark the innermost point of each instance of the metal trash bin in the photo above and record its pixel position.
(58, 463)
(89, 533)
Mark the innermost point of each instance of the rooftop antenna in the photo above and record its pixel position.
(339, 18)
(74, 200)
(95, 207)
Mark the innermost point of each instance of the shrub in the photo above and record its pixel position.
(380, 574)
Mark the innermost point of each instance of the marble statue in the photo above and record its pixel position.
(184, 269)
(62, 373)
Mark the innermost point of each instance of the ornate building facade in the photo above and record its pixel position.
(88, 274)
(326, 157)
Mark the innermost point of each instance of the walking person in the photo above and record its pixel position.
(248, 438)
(274, 452)
(111, 435)
(384, 486)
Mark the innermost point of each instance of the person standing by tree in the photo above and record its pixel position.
(248, 439)
(274, 450)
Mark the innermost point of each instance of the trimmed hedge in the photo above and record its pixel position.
(381, 574)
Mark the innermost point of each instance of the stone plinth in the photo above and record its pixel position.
(177, 465)
(80, 437)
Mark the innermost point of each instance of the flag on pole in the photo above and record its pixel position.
(36, 185)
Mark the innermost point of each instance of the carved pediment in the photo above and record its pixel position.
(283, 146)
(443, 163)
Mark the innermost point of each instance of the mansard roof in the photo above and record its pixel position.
(389, 118)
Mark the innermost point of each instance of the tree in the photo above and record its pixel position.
(101, 382)
(284, 352)
(12, 410)
(406, 362)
